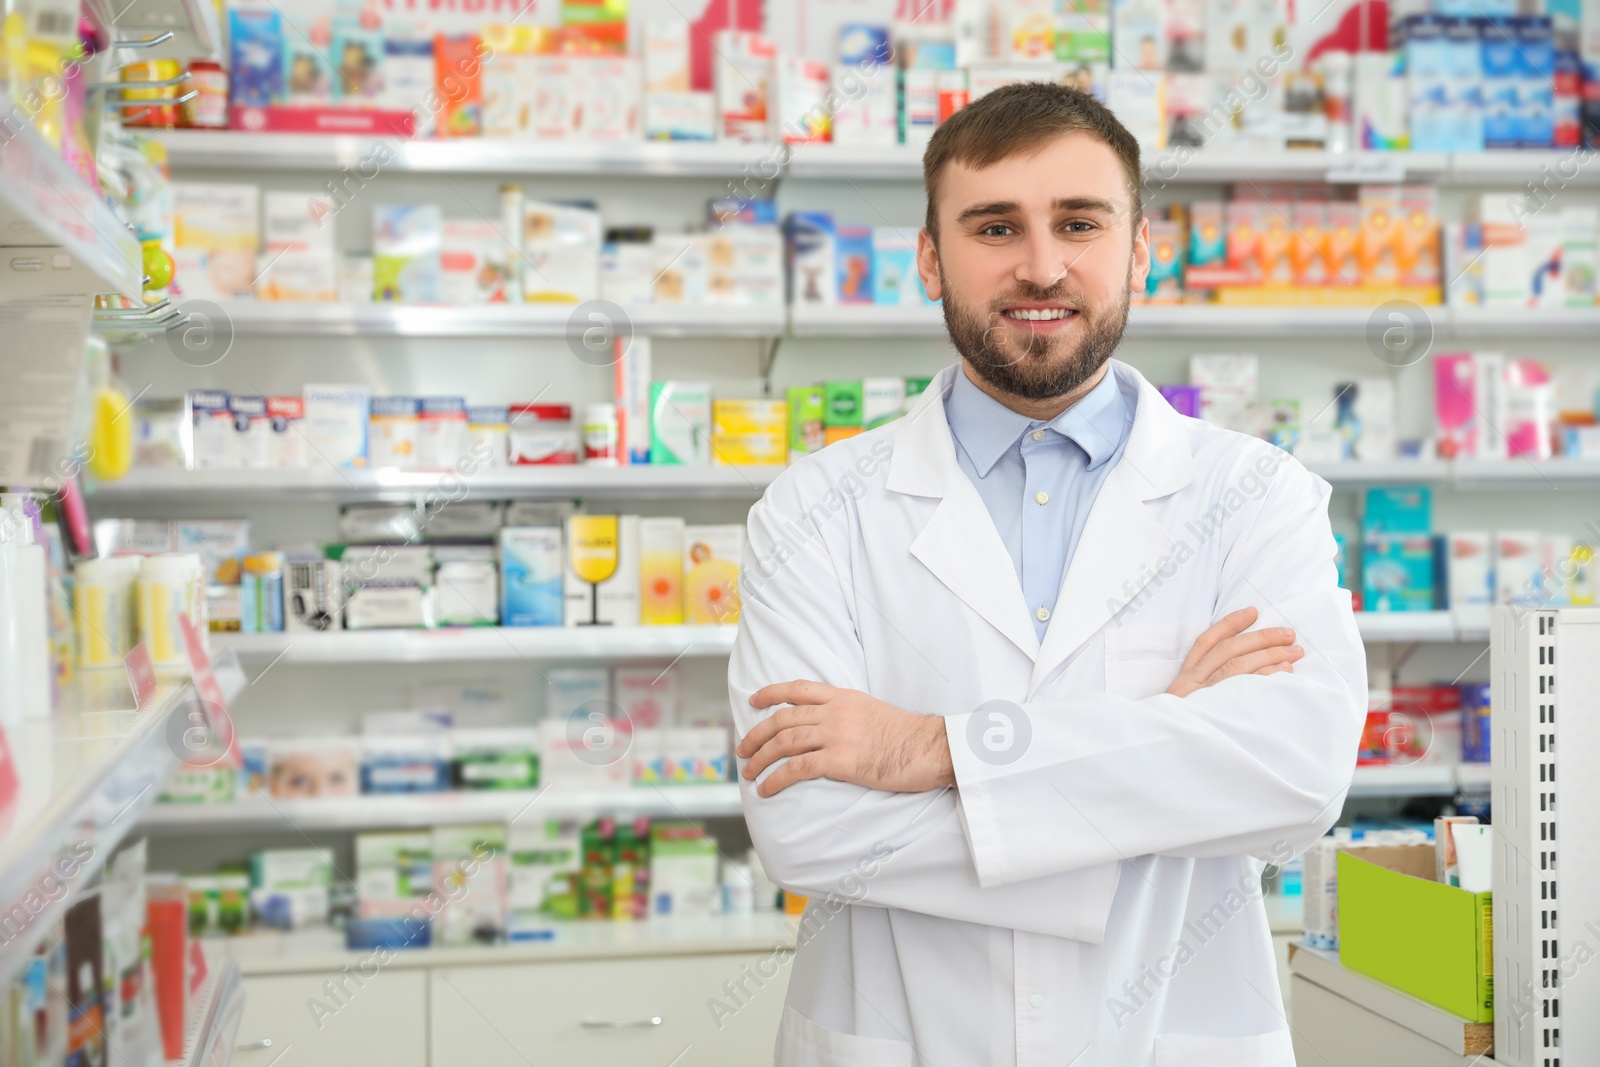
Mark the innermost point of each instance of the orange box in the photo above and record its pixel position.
(1417, 236)
(1308, 243)
(1377, 243)
(1343, 232)
(1272, 243)
(1241, 221)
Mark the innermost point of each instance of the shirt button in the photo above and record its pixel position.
(1042, 497)
(1043, 614)
(1036, 1001)
(1038, 435)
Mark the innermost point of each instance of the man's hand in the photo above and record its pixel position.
(845, 735)
(1225, 651)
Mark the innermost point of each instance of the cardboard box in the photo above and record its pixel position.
(806, 410)
(405, 253)
(531, 569)
(1398, 925)
(749, 431)
(711, 556)
(680, 423)
(661, 570)
(744, 79)
(614, 601)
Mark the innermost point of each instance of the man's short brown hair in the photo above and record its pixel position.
(1020, 119)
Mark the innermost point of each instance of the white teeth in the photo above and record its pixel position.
(1038, 314)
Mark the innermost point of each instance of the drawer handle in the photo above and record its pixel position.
(619, 1024)
(246, 1046)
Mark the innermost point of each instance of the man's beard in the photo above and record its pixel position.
(1012, 358)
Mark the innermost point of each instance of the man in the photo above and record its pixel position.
(1002, 713)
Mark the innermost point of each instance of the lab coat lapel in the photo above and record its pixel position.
(1122, 544)
(959, 544)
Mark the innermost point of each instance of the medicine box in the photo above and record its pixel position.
(648, 696)
(441, 432)
(561, 253)
(313, 594)
(661, 570)
(841, 410)
(683, 870)
(394, 870)
(882, 401)
(1397, 572)
(616, 600)
(1398, 509)
(531, 568)
(469, 869)
(397, 763)
(544, 855)
(744, 79)
(505, 758)
(711, 558)
(466, 590)
(894, 266)
(220, 543)
(1470, 569)
(569, 689)
(753, 432)
(806, 408)
(392, 432)
(406, 240)
(211, 436)
(812, 266)
(336, 423)
(286, 424)
(853, 264)
(680, 423)
(1518, 566)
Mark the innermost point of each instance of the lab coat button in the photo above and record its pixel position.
(1043, 614)
(1036, 1000)
(1042, 497)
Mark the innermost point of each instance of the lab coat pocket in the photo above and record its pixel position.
(1272, 1049)
(802, 1043)
(1143, 658)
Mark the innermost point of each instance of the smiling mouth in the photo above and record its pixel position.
(1047, 314)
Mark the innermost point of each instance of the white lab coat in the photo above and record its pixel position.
(1094, 902)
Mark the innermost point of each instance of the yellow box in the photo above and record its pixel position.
(749, 431)
(661, 570)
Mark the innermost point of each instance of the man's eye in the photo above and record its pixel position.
(996, 229)
(1079, 226)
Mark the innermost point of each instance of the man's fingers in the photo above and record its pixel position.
(790, 742)
(766, 729)
(796, 692)
(1255, 662)
(1231, 648)
(1232, 623)
(802, 768)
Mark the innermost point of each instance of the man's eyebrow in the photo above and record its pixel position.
(1006, 207)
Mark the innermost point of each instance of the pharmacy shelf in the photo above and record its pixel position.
(1420, 780)
(1211, 320)
(480, 644)
(213, 1024)
(370, 155)
(1514, 167)
(84, 776)
(635, 482)
(310, 319)
(260, 814)
(1469, 624)
(321, 949)
(57, 236)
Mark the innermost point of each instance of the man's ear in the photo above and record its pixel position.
(928, 264)
(1139, 270)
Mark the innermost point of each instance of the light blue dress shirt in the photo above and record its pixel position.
(1039, 479)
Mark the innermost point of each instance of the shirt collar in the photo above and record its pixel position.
(987, 429)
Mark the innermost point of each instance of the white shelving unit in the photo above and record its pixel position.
(532, 482)
(86, 773)
(535, 643)
(1420, 780)
(269, 319)
(213, 1025)
(481, 643)
(702, 801)
(226, 149)
(192, 23)
(57, 236)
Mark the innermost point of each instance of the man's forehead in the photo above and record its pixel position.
(1072, 168)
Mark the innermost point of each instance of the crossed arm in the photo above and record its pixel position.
(848, 736)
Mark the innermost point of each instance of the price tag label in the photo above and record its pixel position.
(1367, 167)
(141, 674)
(209, 737)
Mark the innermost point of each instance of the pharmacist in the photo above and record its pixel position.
(1030, 683)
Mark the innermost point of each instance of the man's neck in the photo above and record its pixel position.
(1039, 410)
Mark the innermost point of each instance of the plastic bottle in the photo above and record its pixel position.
(168, 584)
(1336, 94)
(600, 435)
(24, 622)
(105, 609)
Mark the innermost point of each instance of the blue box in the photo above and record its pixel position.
(1428, 84)
(1475, 723)
(1400, 509)
(853, 268)
(1502, 76)
(1536, 71)
(1397, 572)
(1464, 72)
(894, 267)
(809, 254)
(863, 44)
(531, 571)
(256, 36)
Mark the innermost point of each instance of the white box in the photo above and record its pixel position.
(474, 262)
(542, 851)
(743, 78)
(252, 431)
(611, 103)
(1491, 404)
(680, 116)
(618, 603)
(664, 44)
(803, 115)
(1518, 566)
(711, 558)
(1138, 98)
(561, 253)
(868, 110)
(392, 431)
(441, 433)
(1469, 569)
(568, 689)
(336, 424)
(216, 234)
(298, 260)
(681, 269)
(632, 397)
(211, 440)
(584, 753)
(648, 696)
(466, 585)
(882, 400)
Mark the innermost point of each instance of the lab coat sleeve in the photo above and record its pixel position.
(1254, 765)
(830, 839)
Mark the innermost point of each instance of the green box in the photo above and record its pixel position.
(841, 403)
(915, 387)
(805, 420)
(1398, 925)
